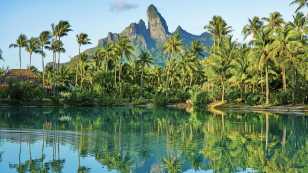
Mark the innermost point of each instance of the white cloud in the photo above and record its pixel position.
(122, 5)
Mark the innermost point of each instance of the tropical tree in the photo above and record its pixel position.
(219, 28)
(56, 46)
(44, 42)
(144, 60)
(20, 43)
(300, 4)
(1, 57)
(32, 47)
(82, 39)
(261, 43)
(197, 48)
(286, 43)
(222, 61)
(273, 22)
(173, 45)
(125, 49)
(253, 27)
(60, 30)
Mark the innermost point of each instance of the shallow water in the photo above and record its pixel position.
(110, 140)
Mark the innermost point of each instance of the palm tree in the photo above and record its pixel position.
(218, 27)
(173, 45)
(60, 30)
(253, 27)
(300, 3)
(44, 41)
(197, 48)
(56, 47)
(144, 60)
(221, 63)
(1, 57)
(262, 42)
(286, 43)
(32, 47)
(125, 49)
(299, 25)
(82, 39)
(21, 42)
(273, 22)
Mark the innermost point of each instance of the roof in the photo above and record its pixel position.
(20, 74)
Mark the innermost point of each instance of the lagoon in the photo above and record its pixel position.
(141, 140)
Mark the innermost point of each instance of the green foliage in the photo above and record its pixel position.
(254, 99)
(160, 100)
(282, 98)
(24, 91)
(200, 100)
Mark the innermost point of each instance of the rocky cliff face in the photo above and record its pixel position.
(154, 36)
(158, 27)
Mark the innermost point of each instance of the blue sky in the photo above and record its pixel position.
(98, 17)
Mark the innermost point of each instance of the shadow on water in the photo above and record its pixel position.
(150, 140)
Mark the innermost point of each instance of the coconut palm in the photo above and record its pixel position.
(82, 39)
(144, 60)
(222, 59)
(32, 47)
(284, 46)
(219, 28)
(1, 57)
(253, 27)
(261, 43)
(20, 43)
(56, 46)
(197, 48)
(300, 4)
(299, 25)
(44, 41)
(173, 45)
(126, 50)
(60, 30)
(273, 22)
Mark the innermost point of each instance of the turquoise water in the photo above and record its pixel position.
(111, 140)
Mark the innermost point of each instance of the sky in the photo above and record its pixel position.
(98, 17)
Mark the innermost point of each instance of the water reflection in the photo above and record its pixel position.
(141, 140)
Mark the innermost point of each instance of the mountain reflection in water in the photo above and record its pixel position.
(97, 140)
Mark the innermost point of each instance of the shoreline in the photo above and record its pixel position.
(216, 107)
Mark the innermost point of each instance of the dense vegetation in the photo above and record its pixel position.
(270, 68)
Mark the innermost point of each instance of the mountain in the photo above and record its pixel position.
(153, 36)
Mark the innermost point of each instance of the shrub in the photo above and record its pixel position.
(200, 100)
(254, 99)
(160, 100)
(282, 98)
(24, 91)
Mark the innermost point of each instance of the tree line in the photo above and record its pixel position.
(270, 67)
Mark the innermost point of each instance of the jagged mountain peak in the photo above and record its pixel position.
(158, 27)
(153, 36)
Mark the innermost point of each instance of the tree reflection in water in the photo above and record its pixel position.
(158, 140)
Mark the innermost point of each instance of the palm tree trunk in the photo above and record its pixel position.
(43, 67)
(223, 90)
(19, 51)
(284, 80)
(59, 61)
(267, 85)
(30, 54)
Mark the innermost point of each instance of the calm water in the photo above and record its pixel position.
(111, 140)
